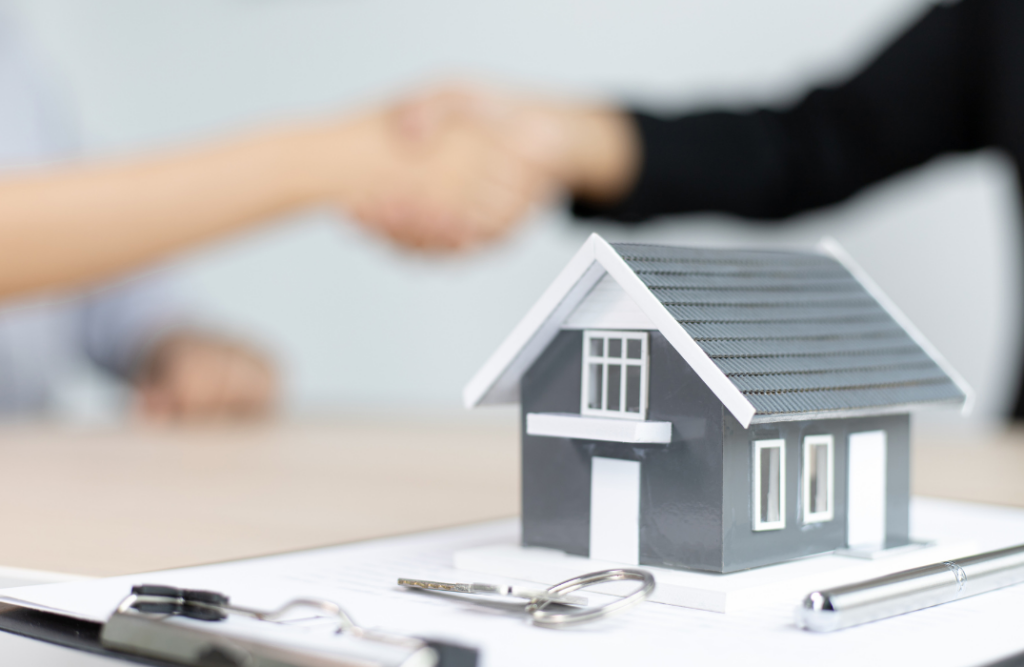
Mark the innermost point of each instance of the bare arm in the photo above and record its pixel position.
(602, 154)
(64, 227)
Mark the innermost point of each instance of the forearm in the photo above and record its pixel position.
(604, 155)
(734, 163)
(77, 224)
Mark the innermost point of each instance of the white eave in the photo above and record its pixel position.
(497, 381)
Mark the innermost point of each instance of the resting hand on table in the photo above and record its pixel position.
(195, 377)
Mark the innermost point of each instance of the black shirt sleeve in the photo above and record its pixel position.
(922, 96)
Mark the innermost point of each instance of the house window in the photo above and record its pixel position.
(819, 478)
(615, 374)
(769, 484)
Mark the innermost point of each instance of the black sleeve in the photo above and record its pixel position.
(921, 97)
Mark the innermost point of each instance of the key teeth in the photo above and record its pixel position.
(506, 590)
(434, 585)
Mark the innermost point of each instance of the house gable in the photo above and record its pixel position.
(608, 306)
(497, 381)
(775, 335)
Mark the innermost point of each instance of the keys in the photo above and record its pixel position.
(531, 595)
(538, 600)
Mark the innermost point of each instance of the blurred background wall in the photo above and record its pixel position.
(360, 326)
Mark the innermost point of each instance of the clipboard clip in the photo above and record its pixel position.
(192, 627)
(212, 606)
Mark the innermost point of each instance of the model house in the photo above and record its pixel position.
(714, 409)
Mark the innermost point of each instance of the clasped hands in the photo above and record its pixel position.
(456, 166)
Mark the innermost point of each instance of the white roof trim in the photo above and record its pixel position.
(831, 247)
(498, 380)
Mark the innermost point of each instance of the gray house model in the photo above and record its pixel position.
(714, 409)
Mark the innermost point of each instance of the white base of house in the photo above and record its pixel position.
(874, 553)
(785, 583)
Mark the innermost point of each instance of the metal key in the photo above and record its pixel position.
(531, 595)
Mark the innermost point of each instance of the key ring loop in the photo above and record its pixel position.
(554, 619)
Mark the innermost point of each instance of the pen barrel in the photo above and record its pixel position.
(911, 590)
(992, 570)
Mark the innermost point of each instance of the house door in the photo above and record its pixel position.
(865, 508)
(615, 510)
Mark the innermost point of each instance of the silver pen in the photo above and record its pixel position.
(910, 590)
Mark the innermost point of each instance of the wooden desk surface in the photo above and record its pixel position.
(121, 501)
(105, 502)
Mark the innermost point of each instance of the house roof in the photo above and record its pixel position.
(776, 335)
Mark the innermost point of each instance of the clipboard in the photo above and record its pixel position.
(85, 636)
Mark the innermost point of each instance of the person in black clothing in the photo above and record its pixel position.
(953, 82)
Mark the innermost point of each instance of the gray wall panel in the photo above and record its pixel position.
(556, 471)
(897, 516)
(746, 548)
(681, 510)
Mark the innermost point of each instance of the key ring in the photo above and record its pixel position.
(555, 619)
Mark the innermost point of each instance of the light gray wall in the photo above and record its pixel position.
(360, 324)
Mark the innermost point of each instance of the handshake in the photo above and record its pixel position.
(446, 169)
(456, 166)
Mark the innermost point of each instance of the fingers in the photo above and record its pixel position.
(422, 116)
(471, 165)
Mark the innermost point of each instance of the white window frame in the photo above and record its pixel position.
(604, 361)
(814, 441)
(760, 445)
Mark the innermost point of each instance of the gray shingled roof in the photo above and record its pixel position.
(795, 332)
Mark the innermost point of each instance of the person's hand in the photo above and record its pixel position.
(591, 150)
(454, 166)
(452, 186)
(196, 377)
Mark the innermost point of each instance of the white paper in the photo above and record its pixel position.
(361, 577)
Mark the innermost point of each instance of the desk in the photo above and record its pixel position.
(106, 502)
(116, 501)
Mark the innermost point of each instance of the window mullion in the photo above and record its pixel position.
(604, 379)
(643, 377)
(623, 398)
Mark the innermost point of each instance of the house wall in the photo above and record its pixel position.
(681, 483)
(696, 503)
(746, 548)
(556, 471)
